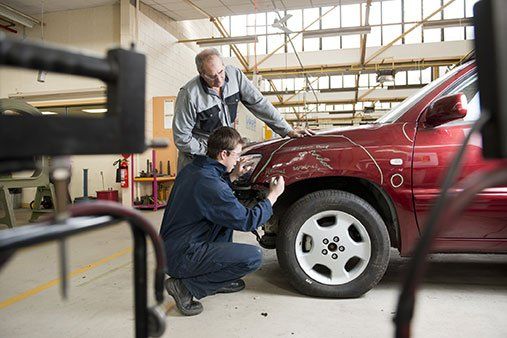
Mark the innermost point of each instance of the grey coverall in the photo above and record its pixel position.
(199, 111)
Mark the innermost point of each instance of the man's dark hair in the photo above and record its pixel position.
(224, 138)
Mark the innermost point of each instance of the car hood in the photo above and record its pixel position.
(308, 142)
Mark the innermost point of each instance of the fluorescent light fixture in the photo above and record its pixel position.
(16, 16)
(321, 33)
(48, 113)
(448, 23)
(95, 110)
(41, 76)
(384, 76)
(226, 41)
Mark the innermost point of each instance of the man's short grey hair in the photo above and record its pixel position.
(202, 57)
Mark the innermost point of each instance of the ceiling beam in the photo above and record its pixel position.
(223, 31)
(348, 69)
(342, 101)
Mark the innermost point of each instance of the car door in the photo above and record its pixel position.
(483, 226)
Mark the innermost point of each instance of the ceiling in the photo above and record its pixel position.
(33, 7)
(180, 9)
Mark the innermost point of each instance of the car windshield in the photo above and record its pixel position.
(400, 109)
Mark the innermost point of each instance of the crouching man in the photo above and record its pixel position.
(199, 220)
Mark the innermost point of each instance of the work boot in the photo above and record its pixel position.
(183, 298)
(235, 286)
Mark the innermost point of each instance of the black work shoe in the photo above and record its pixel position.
(183, 298)
(235, 286)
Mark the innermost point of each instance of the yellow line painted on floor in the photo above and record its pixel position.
(45, 286)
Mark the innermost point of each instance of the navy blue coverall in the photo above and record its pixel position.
(197, 228)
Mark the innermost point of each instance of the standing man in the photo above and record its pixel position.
(210, 100)
(199, 221)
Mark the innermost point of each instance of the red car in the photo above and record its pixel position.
(352, 193)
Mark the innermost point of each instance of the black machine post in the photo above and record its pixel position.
(123, 71)
(491, 50)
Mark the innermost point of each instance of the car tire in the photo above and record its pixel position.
(337, 231)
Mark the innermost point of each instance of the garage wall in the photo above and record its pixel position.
(92, 31)
(169, 64)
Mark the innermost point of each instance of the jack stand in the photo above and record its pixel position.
(38, 210)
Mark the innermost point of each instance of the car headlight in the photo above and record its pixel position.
(252, 160)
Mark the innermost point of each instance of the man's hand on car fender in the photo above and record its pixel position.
(300, 133)
(276, 188)
(241, 168)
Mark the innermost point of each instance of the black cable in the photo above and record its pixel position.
(308, 83)
(406, 301)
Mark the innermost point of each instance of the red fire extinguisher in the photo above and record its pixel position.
(122, 172)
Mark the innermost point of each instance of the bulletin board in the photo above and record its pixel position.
(163, 113)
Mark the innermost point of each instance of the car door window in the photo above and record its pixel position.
(470, 88)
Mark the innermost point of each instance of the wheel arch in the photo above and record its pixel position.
(363, 188)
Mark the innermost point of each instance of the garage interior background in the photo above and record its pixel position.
(331, 63)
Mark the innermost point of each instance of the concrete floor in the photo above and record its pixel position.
(463, 296)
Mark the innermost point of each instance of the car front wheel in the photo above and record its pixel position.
(333, 244)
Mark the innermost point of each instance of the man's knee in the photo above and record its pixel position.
(253, 259)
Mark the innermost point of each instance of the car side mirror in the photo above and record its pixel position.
(446, 109)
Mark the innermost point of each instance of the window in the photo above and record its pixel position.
(349, 81)
(238, 25)
(336, 81)
(297, 42)
(414, 36)
(454, 34)
(351, 41)
(260, 46)
(374, 38)
(470, 33)
(299, 83)
(256, 24)
(274, 42)
(350, 16)
(412, 10)
(414, 77)
(324, 82)
(363, 80)
(432, 35)
(391, 11)
(429, 6)
(426, 75)
(454, 10)
(389, 33)
(374, 14)
(330, 43)
(331, 19)
(309, 16)
(295, 23)
(311, 45)
(400, 78)
(402, 107)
